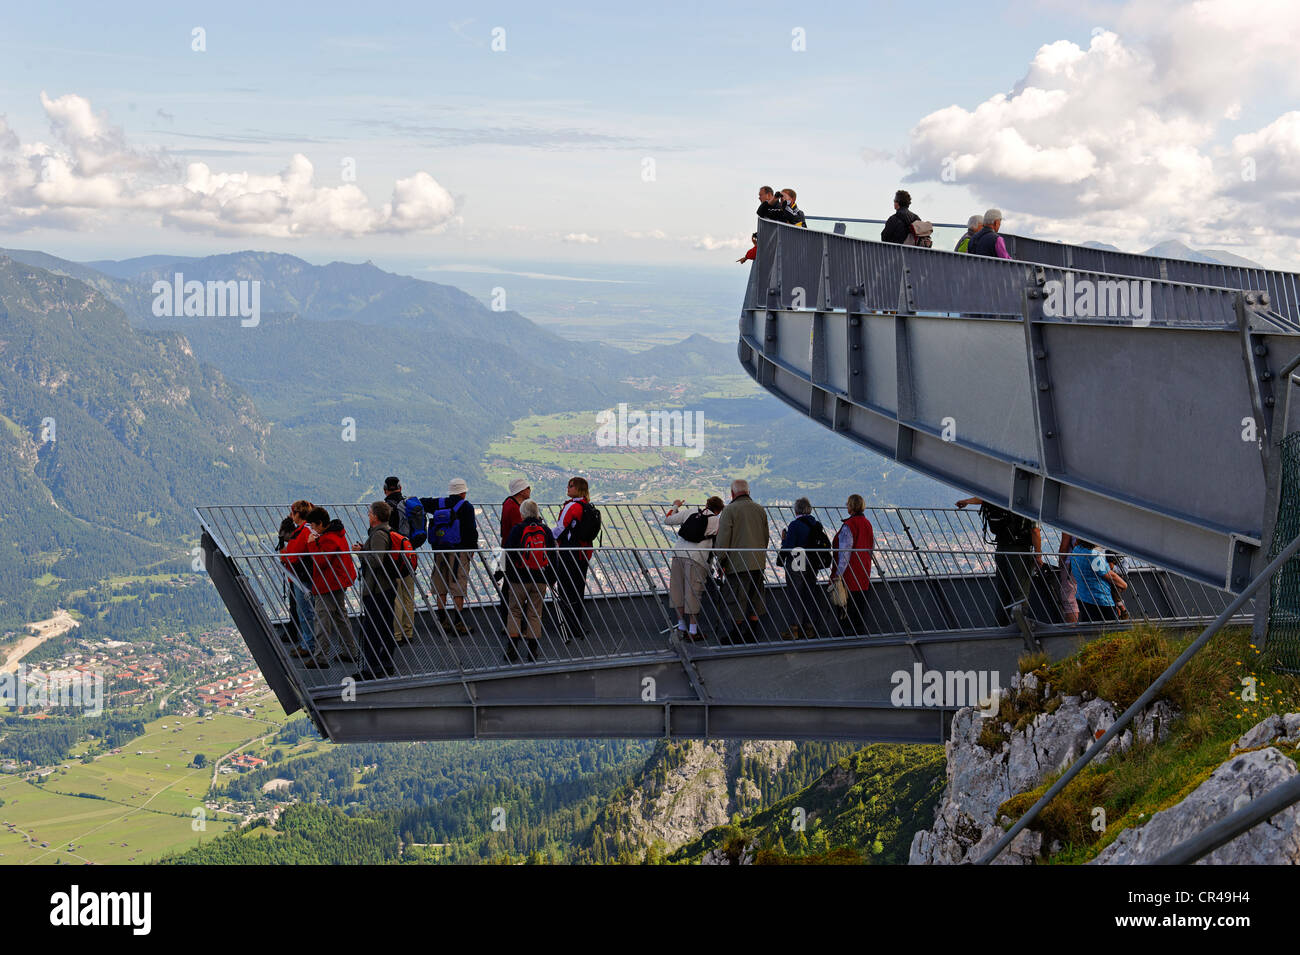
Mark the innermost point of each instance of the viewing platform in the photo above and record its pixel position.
(1137, 402)
(933, 605)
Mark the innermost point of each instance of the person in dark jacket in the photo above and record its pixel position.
(800, 572)
(531, 558)
(378, 587)
(988, 242)
(899, 226)
(404, 598)
(451, 564)
(574, 558)
(771, 205)
(293, 536)
(796, 216)
(1018, 549)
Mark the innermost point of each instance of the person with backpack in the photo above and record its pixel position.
(988, 242)
(973, 227)
(688, 571)
(406, 517)
(898, 227)
(805, 550)
(381, 568)
(332, 573)
(520, 491)
(854, 547)
(742, 544)
(530, 568)
(577, 529)
(453, 535)
(292, 545)
(1017, 551)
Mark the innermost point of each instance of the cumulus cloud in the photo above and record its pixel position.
(89, 175)
(581, 238)
(1125, 138)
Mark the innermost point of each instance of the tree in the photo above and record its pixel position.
(199, 761)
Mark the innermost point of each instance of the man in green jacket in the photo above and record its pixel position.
(742, 546)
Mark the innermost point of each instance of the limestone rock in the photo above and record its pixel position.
(1285, 728)
(979, 782)
(1275, 841)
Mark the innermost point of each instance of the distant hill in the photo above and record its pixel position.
(141, 432)
(1173, 249)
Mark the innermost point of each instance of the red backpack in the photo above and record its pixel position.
(532, 548)
(403, 545)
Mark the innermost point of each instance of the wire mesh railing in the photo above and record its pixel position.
(443, 614)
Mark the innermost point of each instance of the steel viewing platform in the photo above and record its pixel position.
(1156, 434)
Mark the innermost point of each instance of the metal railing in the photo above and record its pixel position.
(1283, 288)
(930, 573)
(940, 282)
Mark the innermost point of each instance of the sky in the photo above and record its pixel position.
(477, 134)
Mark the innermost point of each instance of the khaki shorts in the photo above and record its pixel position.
(450, 574)
(686, 580)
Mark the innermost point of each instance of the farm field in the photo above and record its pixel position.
(146, 795)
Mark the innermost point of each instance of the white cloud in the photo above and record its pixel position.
(581, 238)
(90, 176)
(709, 244)
(1124, 139)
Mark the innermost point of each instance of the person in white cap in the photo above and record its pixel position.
(520, 491)
(453, 536)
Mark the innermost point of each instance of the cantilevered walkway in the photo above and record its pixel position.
(934, 607)
(1150, 425)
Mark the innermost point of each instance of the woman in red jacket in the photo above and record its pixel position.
(332, 573)
(853, 549)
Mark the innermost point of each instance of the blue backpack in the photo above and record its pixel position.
(444, 525)
(416, 519)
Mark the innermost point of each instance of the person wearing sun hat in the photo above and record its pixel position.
(453, 536)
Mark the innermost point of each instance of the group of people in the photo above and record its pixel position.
(726, 542)
(903, 227)
(981, 237)
(320, 569)
(1087, 583)
(733, 539)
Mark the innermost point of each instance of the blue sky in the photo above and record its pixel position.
(463, 154)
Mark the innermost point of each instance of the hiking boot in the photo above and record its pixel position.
(316, 663)
(512, 650)
(531, 646)
(462, 628)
